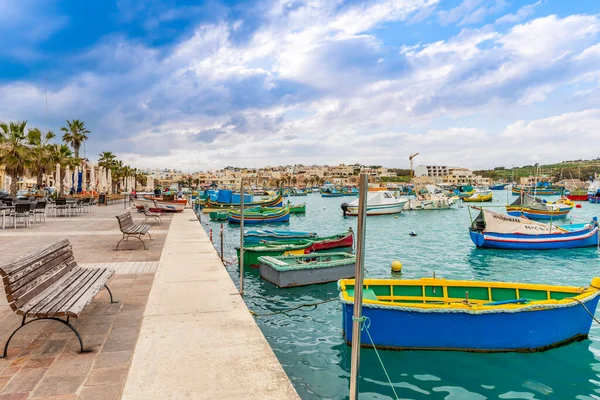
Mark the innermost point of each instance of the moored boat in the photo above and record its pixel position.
(440, 314)
(262, 235)
(218, 215)
(378, 203)
(308, 269)
(344, 240)
(158, 206)
(536, 208)
(494, 230)
(538, 190)
(479, 196)
(577, 195)
(274, 201)
(429, 197)
(297, 208)
(260, 215)
(331, 193)
(498, 186)
(252, 252)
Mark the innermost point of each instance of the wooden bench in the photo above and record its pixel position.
(151, 214)
(47, 284)
(129, 229)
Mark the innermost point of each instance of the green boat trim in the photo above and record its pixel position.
(308, 261)
(297, 208)
(218, 215)
(253, 252)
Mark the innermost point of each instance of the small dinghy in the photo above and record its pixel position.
(309, 269)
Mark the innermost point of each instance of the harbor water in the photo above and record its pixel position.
(308, 341)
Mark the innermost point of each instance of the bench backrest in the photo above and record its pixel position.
(125, 221)
(28, 275)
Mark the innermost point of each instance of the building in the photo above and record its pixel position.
(431, 171)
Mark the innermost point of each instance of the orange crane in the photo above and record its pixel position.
(410, 158)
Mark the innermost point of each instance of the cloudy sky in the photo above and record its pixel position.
(190, 85)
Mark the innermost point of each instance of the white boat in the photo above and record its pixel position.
(429, 197)
(158, 206)
(378, 203)
(594, 186)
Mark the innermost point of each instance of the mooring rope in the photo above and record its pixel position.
(584, 306)
(365, 324)
(293, 308)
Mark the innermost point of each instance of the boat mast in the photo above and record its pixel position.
(358, 286)
(241, 236)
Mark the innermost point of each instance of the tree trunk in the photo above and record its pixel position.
(76, 149)
(14, 185)
(40, 178)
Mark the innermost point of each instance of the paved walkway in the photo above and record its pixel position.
(198, 340)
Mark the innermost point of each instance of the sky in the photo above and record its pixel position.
(203, 85)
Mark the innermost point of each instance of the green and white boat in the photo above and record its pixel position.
(307, 269)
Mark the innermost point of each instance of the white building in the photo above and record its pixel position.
(431, 170)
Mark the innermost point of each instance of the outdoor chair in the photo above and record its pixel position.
(32, 208)
(61, 206)
(40, 209)
(48, 285)
(22, 211)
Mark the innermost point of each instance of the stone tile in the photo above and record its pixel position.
(24, 381)
(107, 376)
(10, 371)
(19, 361)
(127, 321)
(58, 385)
(121, 340)
(52, 347)
(114, 359)
(40, 362)
(70, 367)
(108, 392)
(4, 380)
(14, 396)
(60, 397)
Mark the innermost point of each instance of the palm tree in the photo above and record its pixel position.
(61, 154)
(107, 159)
(41, 151)
(75, 134)
(15, 154)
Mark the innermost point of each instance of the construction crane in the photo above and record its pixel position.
(410, 158)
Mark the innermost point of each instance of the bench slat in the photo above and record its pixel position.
(33, 270)
(53, 293)
(77, 292)
(31, 257)
(77, 307)
(66, 292)
(32, 288)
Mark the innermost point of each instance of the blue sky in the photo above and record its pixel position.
(201, 85)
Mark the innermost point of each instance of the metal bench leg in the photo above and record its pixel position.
(23, 323)
(110, 294)
(120, 241)
(148, 233)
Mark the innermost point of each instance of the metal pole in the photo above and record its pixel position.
(221, 242)
(241, 236)
(358, 286)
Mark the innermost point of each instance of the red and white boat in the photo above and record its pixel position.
(158, 206)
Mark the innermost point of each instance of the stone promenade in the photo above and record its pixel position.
(43, 362)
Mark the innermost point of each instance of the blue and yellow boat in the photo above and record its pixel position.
(440, 314)
(536, 208)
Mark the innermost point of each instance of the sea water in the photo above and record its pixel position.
(308, 342)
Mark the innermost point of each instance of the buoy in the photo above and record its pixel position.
(396, 216)
(396, 266)
(578, 206)
(412, 233)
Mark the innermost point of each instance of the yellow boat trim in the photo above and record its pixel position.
(454, 303)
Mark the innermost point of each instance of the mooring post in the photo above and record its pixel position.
(241, 236)
(221, 242)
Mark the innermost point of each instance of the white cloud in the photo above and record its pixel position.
(520, 15)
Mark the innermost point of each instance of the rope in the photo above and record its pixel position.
(586, 309)
(365, 324)
(292, 309)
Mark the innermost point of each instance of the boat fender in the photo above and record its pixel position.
(412, 233)
(396, 266)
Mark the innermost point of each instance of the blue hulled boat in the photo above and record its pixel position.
(499, 231)
(500, 186)
(439, 314)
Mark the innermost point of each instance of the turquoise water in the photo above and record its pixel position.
(309, 345)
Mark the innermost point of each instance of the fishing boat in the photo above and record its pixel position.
(260, 215)
(253, 252)
(167, 198)
(350, 191)
(344, 240)
(307, 269)
(463, 191)
(212, 205)
(429, 197)
(536, 208)
(440, 314)
(577, 195)
(541, 189)
(378, 203)
(498, 186)
(331, 193)
(494, 230)
(218, 215)
(262, 235)
(479, 196)
(299, 192)
(595, 197)
(297, 208)
(158, 206)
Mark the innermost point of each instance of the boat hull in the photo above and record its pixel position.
(537, 192)
(527, 331)
(538, 214)
(158, 206)
(256, 237)
(569, 240)
(263, 219)
(284, 278)
(251, 256)
(438, 204)
(577, 197)
(478, 199)
(384, 209)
